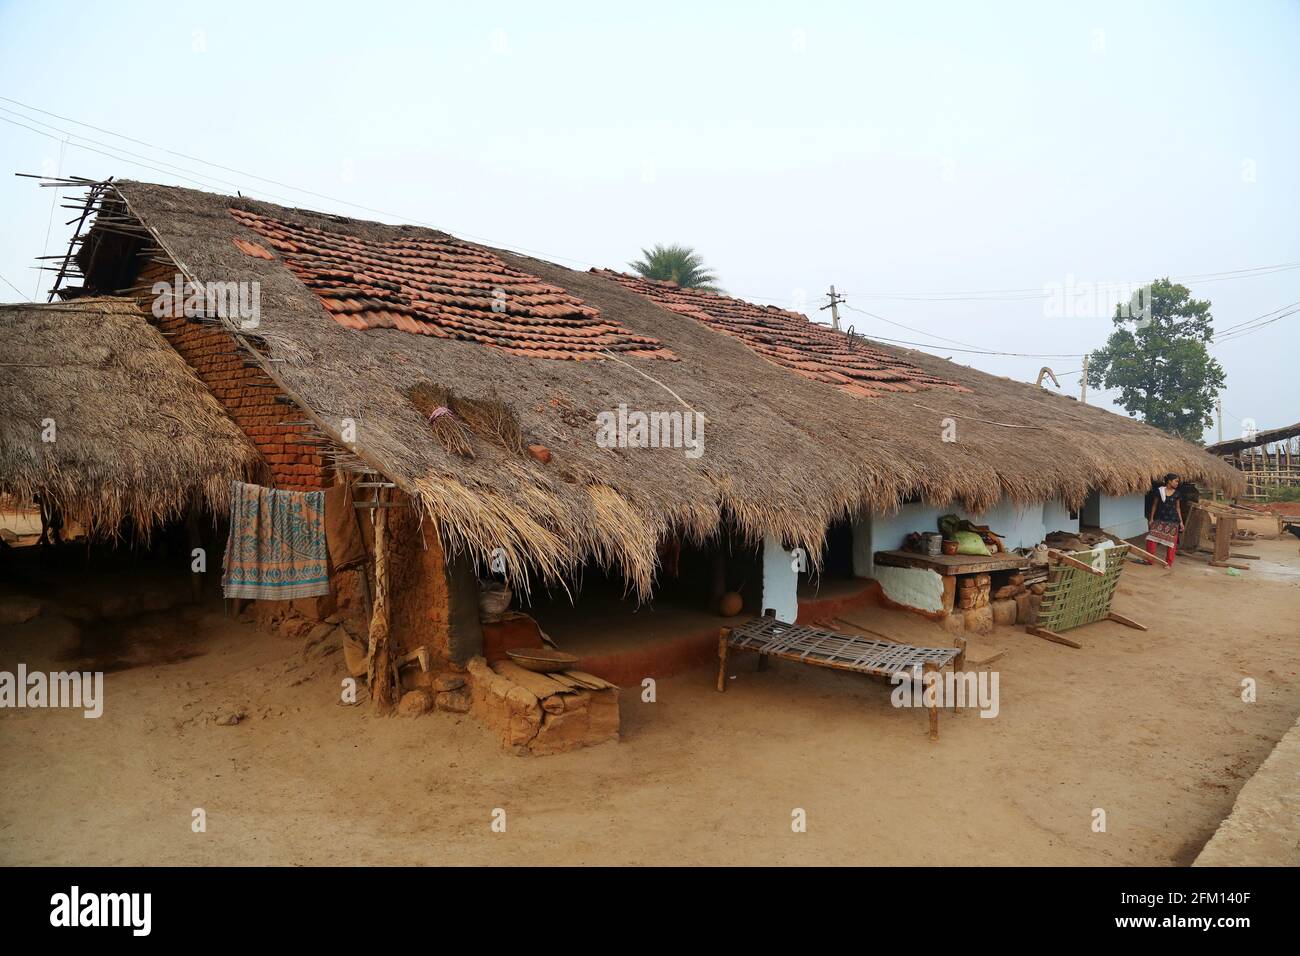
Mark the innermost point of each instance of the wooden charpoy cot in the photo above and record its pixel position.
(1080, 589)
(768, 637)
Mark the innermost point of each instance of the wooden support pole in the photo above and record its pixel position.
(195, 537)
(1126, 621)
(723, 634)
(1194, 528)
(1136, 552)
(929, 678)
(1224, 528)
(1073, 562)
(363, 572)
(1240, 555)
(1047, 635)
(379, 662)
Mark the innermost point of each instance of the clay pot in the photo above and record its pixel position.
(950, 547)
(729, 604)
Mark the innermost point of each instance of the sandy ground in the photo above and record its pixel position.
(1149, 727)
(1261, 830)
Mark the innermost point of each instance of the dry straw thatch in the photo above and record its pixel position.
(137, 435)
(782, 455)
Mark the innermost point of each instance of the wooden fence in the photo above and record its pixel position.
(1277, 463)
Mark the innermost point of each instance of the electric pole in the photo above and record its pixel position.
(1218, 406)
(833, 305)
(1083, 382)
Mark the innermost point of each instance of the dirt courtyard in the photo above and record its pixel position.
(1150, 727)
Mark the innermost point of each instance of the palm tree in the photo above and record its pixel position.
(678, 264)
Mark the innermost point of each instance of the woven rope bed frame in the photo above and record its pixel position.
(848, 652)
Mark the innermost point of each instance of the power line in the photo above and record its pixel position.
(1028, 294)
(177, 171)
(207, 176)
(909, 328)
(1244, 332)
(971, 349)
(1264, 316)
(119, 149)
(931, 345)
(12, 286)
(49, 222)
(1254, 325)
(101, 152)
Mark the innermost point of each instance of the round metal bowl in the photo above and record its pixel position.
(543, 659)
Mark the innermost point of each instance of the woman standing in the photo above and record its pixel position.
(1165, 522)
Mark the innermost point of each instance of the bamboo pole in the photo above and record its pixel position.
(379, 663)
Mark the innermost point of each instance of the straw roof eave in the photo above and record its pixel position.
(104, 419)
(783, 456)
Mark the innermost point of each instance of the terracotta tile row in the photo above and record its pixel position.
(446, 288)
(788, 339)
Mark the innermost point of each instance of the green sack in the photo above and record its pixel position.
(968, 542)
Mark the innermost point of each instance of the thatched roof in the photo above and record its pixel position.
(1254, 440)
(1042, 444)
(784, 454)
(136, 434)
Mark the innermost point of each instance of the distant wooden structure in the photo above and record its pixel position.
(1268, 458)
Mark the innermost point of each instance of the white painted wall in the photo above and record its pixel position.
(1124, 516)
(1020, 527)
(911, 587)
(1056, 517)
(780, 581)
(862, 524)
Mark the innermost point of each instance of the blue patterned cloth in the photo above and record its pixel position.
(276, 550)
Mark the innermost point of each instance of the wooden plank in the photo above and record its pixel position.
(1193, 531)
(952, 564)
(594, 682)
(1136, 552)
(1223, 531)
(723, 648)
(1073, 562)
(1047, 635)
(539, 685)
(578, 683)
(928, 670)
(1126, 621)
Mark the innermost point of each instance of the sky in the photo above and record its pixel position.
(908, 154)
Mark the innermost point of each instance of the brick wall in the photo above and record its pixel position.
(248, 394)
(419, 611)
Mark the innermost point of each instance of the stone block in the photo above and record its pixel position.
(978, 620)
(949, 593)
(1004, 612)
(414, 703)
(454, 701)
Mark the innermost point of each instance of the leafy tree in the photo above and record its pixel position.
(679, 264)
(1161, 367)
